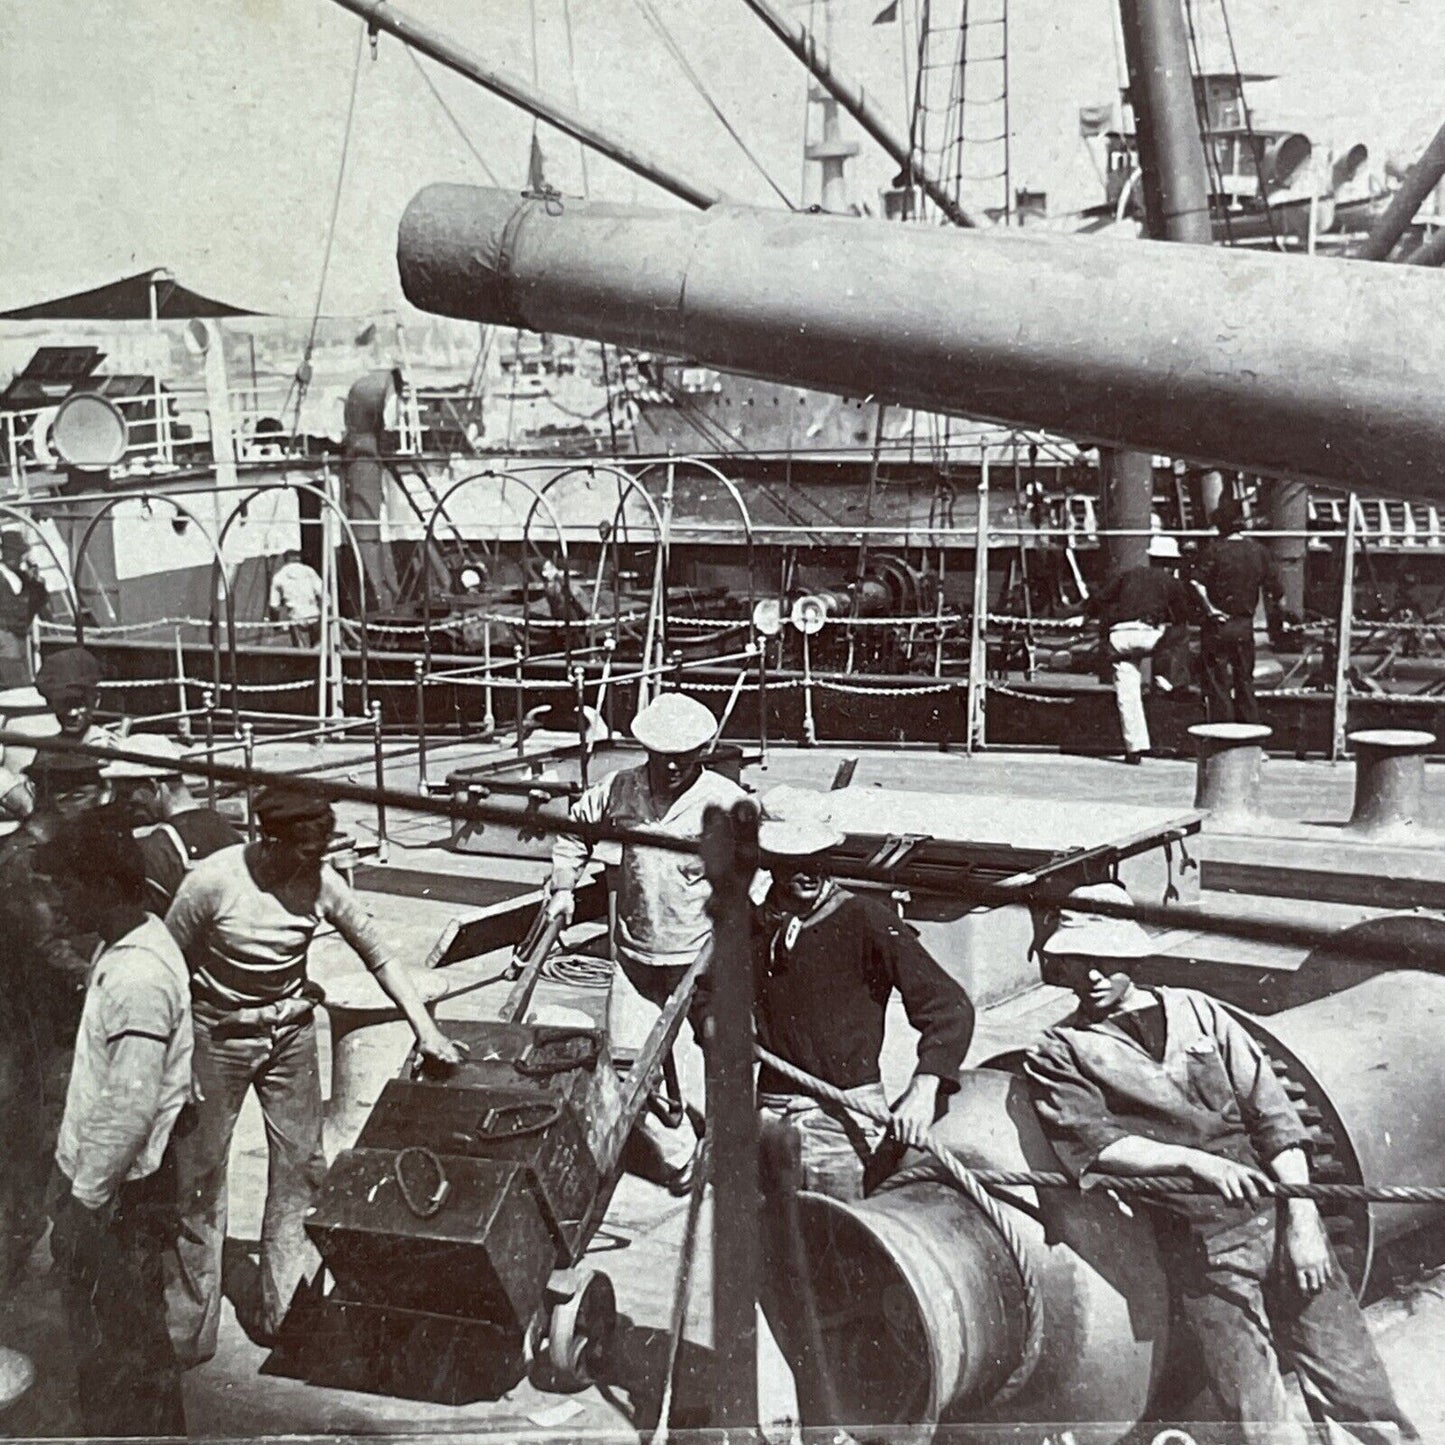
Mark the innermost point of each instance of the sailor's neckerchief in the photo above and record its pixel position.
(786, 925)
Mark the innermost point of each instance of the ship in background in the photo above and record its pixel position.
(870, 510)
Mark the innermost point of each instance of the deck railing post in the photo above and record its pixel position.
(379, 755)
(978, 642)
(1343, 633)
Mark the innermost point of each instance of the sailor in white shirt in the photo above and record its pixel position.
(115, 1207)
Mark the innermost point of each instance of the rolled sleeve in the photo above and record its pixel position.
(1273, 1122)
(1070, 1106)
(571, 853)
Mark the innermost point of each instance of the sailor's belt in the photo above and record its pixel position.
(259, 1018)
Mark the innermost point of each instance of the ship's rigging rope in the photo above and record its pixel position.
(451, 116)
(303, 373)
(649, 13)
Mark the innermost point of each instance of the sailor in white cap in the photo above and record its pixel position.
(1142, 611)
(826, 963)
(662, 921)
(182, 830)
(1145, 1081)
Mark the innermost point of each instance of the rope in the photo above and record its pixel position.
(422, 1208)
(303, 374)
(578, 970)
(945, 1166)
(650, 14)
(451, 116)
(969, 1182)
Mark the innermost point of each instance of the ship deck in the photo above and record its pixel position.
(426, 888)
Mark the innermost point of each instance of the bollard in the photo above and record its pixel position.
(1227, 786)
(1389, 783)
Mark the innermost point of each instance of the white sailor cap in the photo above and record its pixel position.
(796, 838)
(674, 723)
(1085, 934)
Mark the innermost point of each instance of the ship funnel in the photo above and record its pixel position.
(1347, 166)
(1284, 158)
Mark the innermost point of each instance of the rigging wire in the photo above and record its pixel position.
(576, 94)
(650, 14)
(1255, 148)
(302, 378)
(1213, 172)
(451, 116)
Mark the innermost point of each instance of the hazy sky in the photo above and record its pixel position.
(205, 134)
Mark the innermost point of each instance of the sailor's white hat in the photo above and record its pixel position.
(1083, 933)
(796, 838)
(674, 723)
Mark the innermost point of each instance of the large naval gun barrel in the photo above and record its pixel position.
(920, 1304)
(1323, 370)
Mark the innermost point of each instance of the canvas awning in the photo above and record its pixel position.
(146, 295)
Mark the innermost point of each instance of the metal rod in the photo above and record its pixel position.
(208, 708)
(418, 670)
(379, 756)
(856, 101)
(1341, 710)
(489, 717)
(518, 713)
(381, 15)
(248, 760)
(977, 641)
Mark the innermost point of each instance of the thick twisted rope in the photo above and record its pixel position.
(975, 1184)
(969, 1182)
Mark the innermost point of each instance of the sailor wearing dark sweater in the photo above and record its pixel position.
(826, 962)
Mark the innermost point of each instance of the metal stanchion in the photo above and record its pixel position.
(978, 641)
(382, 849)
(584, 733)
(418, 669)
(518, 711)
(248, 758)
(1343, 636)
(208, 708)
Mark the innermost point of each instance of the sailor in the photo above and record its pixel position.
(1148, 1081)
(1233, 572)
(295, 599)
(69, 681)
(46, 960)
(1142, 611)
(245, 918)
(114, 1201)
(826, 962)
(180, 830)
(662, 920)
(22, 598)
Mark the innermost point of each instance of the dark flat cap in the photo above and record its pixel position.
(70, 671)
(281, 808)
(65, 770)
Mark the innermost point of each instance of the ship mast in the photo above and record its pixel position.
(1176, 208)
(855, 100)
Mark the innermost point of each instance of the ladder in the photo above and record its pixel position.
(961, 103)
